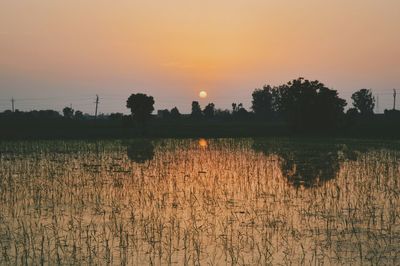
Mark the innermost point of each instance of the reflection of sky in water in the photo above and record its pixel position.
(230, 204)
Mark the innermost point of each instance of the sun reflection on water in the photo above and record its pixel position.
(203, 143)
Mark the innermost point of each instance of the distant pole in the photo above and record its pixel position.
(394, 99)
(12, 104)
(97, 105)
(377, 104)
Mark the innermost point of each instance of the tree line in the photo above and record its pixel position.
(301, 104)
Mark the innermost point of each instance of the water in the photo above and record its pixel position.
(200, 202)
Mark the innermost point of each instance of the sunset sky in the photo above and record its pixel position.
(55, 53)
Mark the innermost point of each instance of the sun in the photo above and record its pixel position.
(203, 94)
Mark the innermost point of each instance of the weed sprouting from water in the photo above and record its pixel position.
(90, 203)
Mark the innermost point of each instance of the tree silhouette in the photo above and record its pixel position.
(242, 113)
(234, 107)
(351, 116)
(175, 113)
(309, 105)
(165, 114)
(116, 116)
(68, 112)
(262, 103)
(223, 114)
(209, 110)
(329, 108)
(238, 111)
(196, 110)
(364, 102)
(78, 115)
(141, 106)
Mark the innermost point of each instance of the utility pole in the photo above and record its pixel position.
(377, 104)
(394, 99)
(97, 105)
(12, 104)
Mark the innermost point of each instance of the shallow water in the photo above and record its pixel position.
(207, 202)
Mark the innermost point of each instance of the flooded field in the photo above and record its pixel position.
(200, 202)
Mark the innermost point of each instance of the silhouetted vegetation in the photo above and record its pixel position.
(393, 115)
(209, 111)
(305, 105)
(239, 112)
(299, 107)
(141, 107)
(68, 112)
(364, 102)
(196, 110)
(175, 113)
(264, 102)
(78, 115)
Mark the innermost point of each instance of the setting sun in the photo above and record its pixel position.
(203, 94)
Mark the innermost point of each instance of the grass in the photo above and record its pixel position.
(79, 202)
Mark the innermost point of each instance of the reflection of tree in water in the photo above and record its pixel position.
(309, 168)
(304, 163)
(140, 151)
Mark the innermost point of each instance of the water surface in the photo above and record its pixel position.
(200, 202)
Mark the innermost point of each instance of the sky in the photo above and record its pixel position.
(57, 53)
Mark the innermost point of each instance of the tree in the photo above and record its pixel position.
(196, 110)
(48, 114)
(222, 114)
(329, 108)
(209, 110)
(351, 116)
(68, 112)
(141, 106)
(116, 116)
(164, 114)
(262, 103)
(234, 108)
(175, 113)
(364, 102)
(309, 105)
(238, 111)
(277, 98)
(78, 115)
(242, 112)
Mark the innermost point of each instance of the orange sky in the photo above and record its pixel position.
(54, 53)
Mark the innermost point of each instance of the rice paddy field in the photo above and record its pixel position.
(200, 202)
